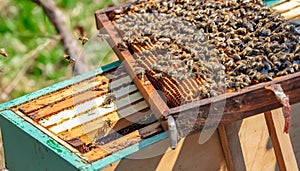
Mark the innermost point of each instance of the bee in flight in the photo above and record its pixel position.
(69, 59)
(3, 52)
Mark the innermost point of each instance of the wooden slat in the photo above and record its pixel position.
(123, 142)
(286, 6)
(97, 113)
(281, 142)
(121, 124)
(72, 113)
(226, 148)
(68, 103)
(120, 103)
(292, 14)
(62, 94)
(282, 2)
(144, 85)
(132, 109)
(124, 91)
(95, 124)
(81, 108)
(92, 125)
(119, 82)
(82, 119)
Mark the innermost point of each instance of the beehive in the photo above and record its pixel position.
(181, 96)
(73, 120)
(81, 139)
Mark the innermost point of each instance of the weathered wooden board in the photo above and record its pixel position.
(281, 142)
(247, 102)
(77, 115)
(250, 145)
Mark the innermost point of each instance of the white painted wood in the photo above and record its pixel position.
(292, 13)
(124, 91)
(93, 114)
(118, 82)
(132, 109)
(128, 100)
(285, 6)
(69, 114)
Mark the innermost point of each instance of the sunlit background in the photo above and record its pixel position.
(35, 58)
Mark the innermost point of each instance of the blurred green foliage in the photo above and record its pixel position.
(24, 26)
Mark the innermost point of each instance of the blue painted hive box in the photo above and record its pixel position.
(75, 125)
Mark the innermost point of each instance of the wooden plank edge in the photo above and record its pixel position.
(226, 96)
(67, 92)
(282, 146)
(226, 148)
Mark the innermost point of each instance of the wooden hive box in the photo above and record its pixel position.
(58, 127)
(67, 127)
(44, 131)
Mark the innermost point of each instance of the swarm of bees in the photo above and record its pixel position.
(201, 49)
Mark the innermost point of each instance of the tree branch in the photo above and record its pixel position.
(29, 60)
(70, 44)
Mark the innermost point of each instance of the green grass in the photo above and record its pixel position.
(24, 27)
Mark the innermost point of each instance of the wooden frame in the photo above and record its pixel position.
(247, 102)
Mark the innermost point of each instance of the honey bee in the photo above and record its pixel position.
(122, 46)
(110, 98)
(69, 59)
(3, 52)
(140, 72)
(82, 37)
(158, 76)
(83, 40)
